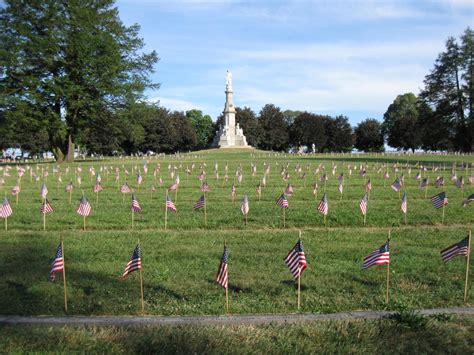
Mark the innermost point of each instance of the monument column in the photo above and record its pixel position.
(229, 109)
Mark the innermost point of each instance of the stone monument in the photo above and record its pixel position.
(229, 135)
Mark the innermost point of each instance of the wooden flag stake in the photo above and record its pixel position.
(299, 281)
(442, 220)
(141, 285)
(44, 217)
(365, 216)
(166, 208)
(388, 273)
(227, 288)
(64, 275)
(205, 209)
(284, 222)
(467, 266)
(70, 196)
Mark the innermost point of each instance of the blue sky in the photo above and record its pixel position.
(328, 57)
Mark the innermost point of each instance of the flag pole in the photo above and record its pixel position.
(227, 288)
(64, 276)
(70, 196)
(284, 222)
(388, 273)
(166, 209)
(467, 266)
(426, 189)
(44, 218)
(205, 209)
(141, 286)
(299, 280)
(442, 221)
(365, 217)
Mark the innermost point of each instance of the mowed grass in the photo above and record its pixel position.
(412, 336)
(180, 263)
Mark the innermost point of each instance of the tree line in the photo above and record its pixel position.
(71, 73)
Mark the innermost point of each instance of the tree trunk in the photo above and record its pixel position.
(58, 154)
(70, 150)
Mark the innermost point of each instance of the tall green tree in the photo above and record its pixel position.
(274, 129)
(308, 129)
(65, 61)
(369, 136)
(247, 120)
(204, 127)
(449, 90)
(340, 137)
(401, 126)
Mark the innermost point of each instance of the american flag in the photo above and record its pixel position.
(424, 183)
(341, 187)
(16, 190)
(69, 187)
(289, 190)
(362, 172)
(458, 249)
(139, 179)
(5, 208)
(460, 182)
(368, 186)
(418, 176)
(386, 175)
(439, 181)
(135, 262)
(135, 205)
(57, 264)
(233, 190)
(379, 256)
(471, 179)
(170, 205)
(323, 206)
(44, 191)
(363, 204)
(173, 187)
(258, 190)
(341, 178)
(468, 200)
(200, 203)
(202, 176)
(46, 207)
(282, 201)
(315, 188)
(222, 277)
(397, 184)
(98, 179)
(244, 207)
(404, 205)
(439, 200)
(84, 208)
(324, 178)
(97, 188)
(205, 187)
(125, 189)
(296, 260)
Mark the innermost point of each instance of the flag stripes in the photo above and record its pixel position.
(296, 260)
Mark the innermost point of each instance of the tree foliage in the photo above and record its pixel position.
(309, 128)
(204, 128)
(369, 136)
(69, 61)
(249, 124)
(274, 131)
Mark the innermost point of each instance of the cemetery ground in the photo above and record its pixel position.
(180, 262)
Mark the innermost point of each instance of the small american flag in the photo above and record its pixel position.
(97, 188)
(324, 178)
(244, 207)
(404, 205)
(439, 181)
(362, 172)
(341, 187)
(135, 205)
(341, 178)
(258, 190)
(363, 204)
(289, 190)
(44, 191)
(16, 190)
(439, 200)
(46, 207)
(397, 184)
(379, 256)
(170, 205)
(424, 183)
(323, 206)
(368, 186)
(205, 187)
(468, 200)
(296, 260)
(57, 264)
(233, 190)
(460, 182)
(282, 201)
(200, 203)
(458, 249)
(69, 187)
(5, 208)
(139, 179)
(386, 175)
(84, 208)
(418, 176)
(135, 262)
(125, 189)
(173, 187)
(222, 277)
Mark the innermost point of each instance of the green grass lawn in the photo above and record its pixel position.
(180, 263)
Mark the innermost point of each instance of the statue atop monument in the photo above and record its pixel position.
(228, 81)
(229, 134)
